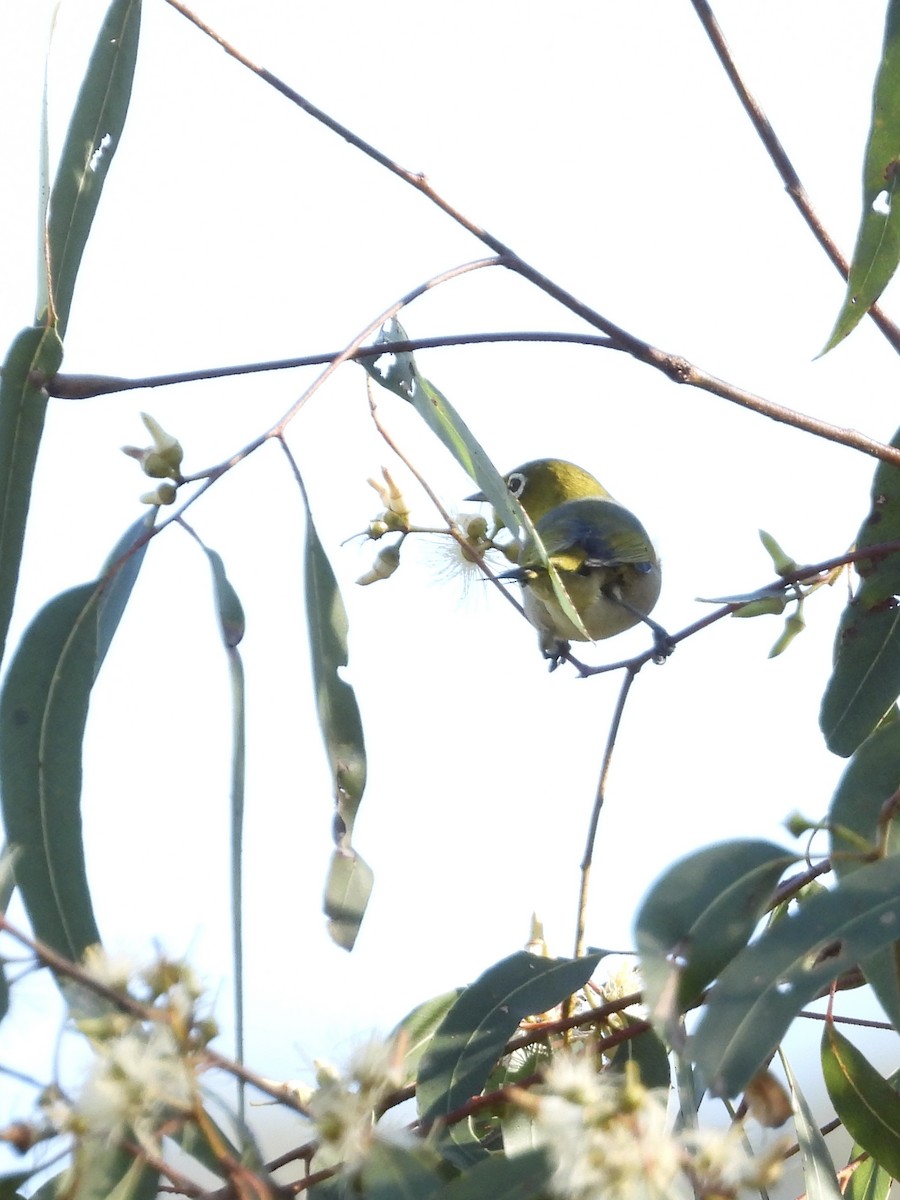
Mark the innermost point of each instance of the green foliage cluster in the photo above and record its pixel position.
(730, 949)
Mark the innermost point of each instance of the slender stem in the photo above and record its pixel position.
(84, 387)
(587, 860)
(783, 164)
(677, 368)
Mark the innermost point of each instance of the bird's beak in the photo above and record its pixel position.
(480, 497)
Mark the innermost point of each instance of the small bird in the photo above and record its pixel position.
(600, 550)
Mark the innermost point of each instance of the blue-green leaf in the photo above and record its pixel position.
(819, 1177)
(501, 1177)
(396, 1173)
(865, 682)
(43, 711)
(418, 1027)
(92, 139)
(697, 917)
(35, 355)
(230, 613)
(858, 821)
(472, 1037)
(349, 882)
(877, 249)
(759, 993)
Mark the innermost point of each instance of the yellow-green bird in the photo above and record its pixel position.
(601, 551)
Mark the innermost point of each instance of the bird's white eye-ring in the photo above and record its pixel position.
(516, 484)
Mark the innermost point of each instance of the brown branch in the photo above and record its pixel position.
(783, 164)
(677, 368)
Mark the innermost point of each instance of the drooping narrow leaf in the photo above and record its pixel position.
(35, 354)
(43, 711)
(761, 990)
(877, 248)
(230, 614)
(697, 917)
(858, 820)
(865, 682)
(819, 1177)
(867, 1104)
(404, 378)
(349, 882)
(474, 1033)
(92, 139)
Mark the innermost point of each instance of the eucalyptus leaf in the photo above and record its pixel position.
(501, 1177)
(92, 140)
(877, 249)
(819, 1177)
(35, 355)
(865, 681)
(860, 820)
(43, 712)
(761, 990)
(697, 917)
(473, 1035)
(866, 1104)
(350, 879)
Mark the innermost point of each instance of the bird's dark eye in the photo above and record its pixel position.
(516, 483)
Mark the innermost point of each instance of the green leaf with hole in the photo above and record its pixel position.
(349, 882)
(472, 1037)
(92, 139)
(35, 355)
(754, 1000)
(865, 681)
(866, 1104)
(697, 917)
(877, 249)
(43, 712)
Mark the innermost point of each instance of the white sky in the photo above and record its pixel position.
(604, 144)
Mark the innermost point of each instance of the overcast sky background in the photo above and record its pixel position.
(605, 145)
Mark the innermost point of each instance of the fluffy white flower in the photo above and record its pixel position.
(136, 1078)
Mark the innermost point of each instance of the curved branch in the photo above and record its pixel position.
(674, 366)
(783, 164)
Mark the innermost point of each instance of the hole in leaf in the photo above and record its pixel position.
(882, 203)
(102, 146)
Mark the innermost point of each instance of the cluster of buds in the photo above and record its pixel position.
(461, 556)
(162, 461)
(394, 519)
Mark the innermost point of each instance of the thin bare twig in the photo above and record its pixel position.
(84, 387)
(783, 164)
(588, 858)
(674, 366)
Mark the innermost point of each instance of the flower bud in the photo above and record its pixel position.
(386, 563)
(162, 460)
(164, 494)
